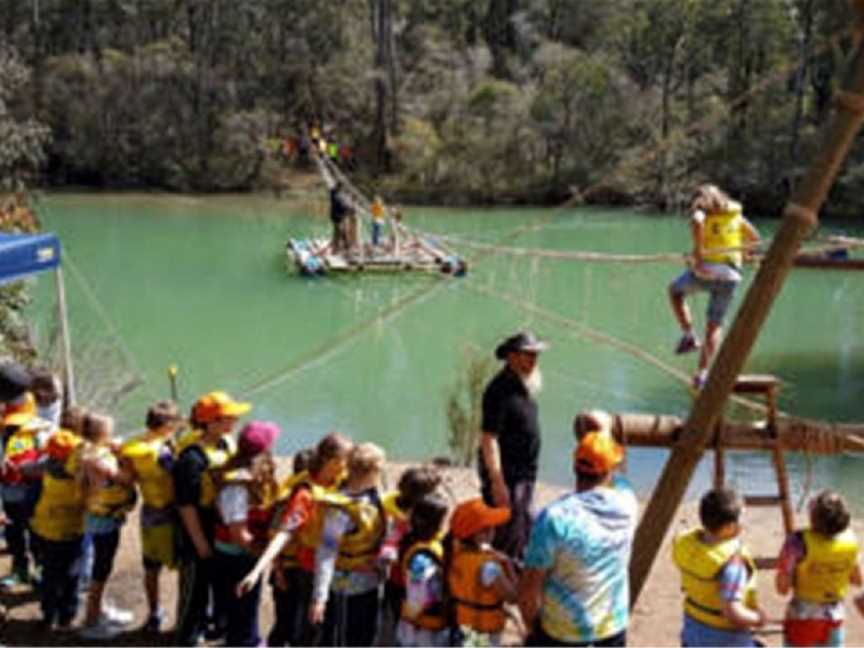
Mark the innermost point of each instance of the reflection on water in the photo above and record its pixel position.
(201, 283)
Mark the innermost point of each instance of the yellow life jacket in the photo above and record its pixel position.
(434, 617)
(305, 536)
(358, 548)
(154, 480)
(217, 455)
(59, 513)
(112, 499)
(476, 606)
(700, 565)
(823, 575)
(721, 233)
(391, 508)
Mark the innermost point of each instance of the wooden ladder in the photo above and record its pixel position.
(766, 386)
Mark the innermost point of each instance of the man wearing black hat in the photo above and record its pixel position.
(510, 441)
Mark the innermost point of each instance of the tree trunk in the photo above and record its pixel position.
(500, 36)
(805, 38)
(385, 103)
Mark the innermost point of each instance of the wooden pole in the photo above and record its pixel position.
(68, 372)
(799, 219)
(792, 434)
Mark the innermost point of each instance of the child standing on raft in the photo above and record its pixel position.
(720, 233)
(817, 565)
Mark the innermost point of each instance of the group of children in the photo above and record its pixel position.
(336, 545)
(718, 575)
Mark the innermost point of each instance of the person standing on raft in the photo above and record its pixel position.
(720, 235)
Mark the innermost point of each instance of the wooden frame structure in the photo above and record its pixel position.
(800, 217)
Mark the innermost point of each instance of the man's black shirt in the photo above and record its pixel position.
(510, 414)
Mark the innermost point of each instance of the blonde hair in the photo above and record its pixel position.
(265, 487)
(711, 199)
(365, 459)
(95, 429)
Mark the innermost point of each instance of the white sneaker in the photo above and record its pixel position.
(116, 615)
(103, 630)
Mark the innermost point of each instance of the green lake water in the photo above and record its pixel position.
(201, 283)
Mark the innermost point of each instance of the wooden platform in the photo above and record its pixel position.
(315, 257)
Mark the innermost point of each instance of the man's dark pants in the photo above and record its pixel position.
(512, 538)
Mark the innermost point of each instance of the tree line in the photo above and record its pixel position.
(444, 101)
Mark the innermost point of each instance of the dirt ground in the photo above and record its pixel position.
(656, 620)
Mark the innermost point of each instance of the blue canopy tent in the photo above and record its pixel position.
(22, 255)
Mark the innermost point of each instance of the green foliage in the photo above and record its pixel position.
(22, 152)
(22, 140)
(499, 101)
(464, 406)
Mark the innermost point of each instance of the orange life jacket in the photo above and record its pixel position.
(476, 606)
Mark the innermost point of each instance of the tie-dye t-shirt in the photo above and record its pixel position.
(583, 542)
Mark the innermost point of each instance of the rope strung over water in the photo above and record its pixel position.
(335, 344)
(830, 244)
(139, 377)
(580, 329)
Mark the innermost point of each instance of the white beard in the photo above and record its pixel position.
(533, 382)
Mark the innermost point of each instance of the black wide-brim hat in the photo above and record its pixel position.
(523, 341)
(15, 379)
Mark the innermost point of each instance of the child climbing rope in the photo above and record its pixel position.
(720, 235)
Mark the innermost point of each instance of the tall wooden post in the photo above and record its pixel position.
(799, 218)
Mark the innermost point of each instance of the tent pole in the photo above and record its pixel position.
(69, 374)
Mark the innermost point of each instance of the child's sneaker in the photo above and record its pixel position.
(13, 580)
(116, 615)
(699, 380)
(687, 344)
(154, 621)
(103, 630)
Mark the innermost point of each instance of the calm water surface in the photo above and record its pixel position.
(201, 283)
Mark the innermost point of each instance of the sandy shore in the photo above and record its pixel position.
(656, 620)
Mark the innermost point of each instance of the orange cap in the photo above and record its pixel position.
(474, 515)
(216, 405)
(598, 453)
(20, 411)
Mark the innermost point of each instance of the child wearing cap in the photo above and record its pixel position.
(244, 503)
(423, 616)
(201, 454)
(293, 545)
(817, 565)
(568, 596)
(22, 446)
(149, 458)
(345, 590)
(58, 528)
(479, 578)
(108, 497)
(718, 576)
